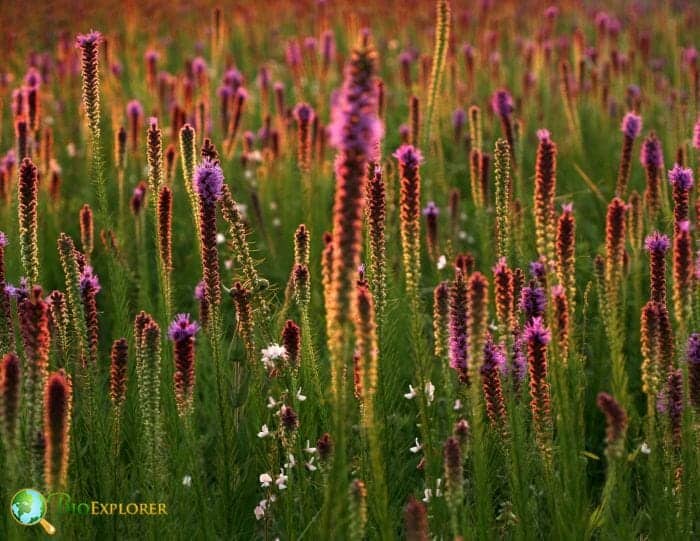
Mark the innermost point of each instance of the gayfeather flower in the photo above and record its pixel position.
(137, 198)
(651, 350)
(631, 127)
(244, 316)
(10, 383)
(235, 122)
(291, 339)
(459, 120)
(358, 509)
(696, 134)
(58, 405)
(504, 292)
(77, 331)
(208, 182)
(416, 521)
(165, 211)
(134, 111)
(182, 332)
(674, 405)
(682, 272)
(565, 252)
(475, 176)
(89, 288)
(120, 148)
(537, 336)
(302, 285)
(545, 190)
(614, 246)
(86, 230)
(22, 137)
(533, 301)
(27, 205)
(89, 46)
(616, 422)
(302, 241)
(453, 469)
(561, 319)
(475, 126)
(502, 105)
(681, 178)
(441, 306)
(504, 195)
(692, 354)
(477, 317)
(657, 245)
(431, 213)
(368, 351)
(36, 340)
(494, 365)
(304, 116)
(410, 159)
(148, 362)
(7, 334)
(376, 217)
(118, 373)
(652, 159)
(155, 157)
(458, 351)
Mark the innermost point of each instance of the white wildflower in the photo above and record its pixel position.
(265, 480)
(281, 480)
(411, 394)
(220, 238)
(259, 512)
(272, 353)
(309, 449)
(417, 447)
(441, 262)
(271, 403)
(310, 464)
(300, 397)
(458, 405)
(276, 222)
(292, 462)
(438, 484)
(264, 432)
(430, 392)
(187, 481)
(645, 449)
(228, 264)
(428, 493)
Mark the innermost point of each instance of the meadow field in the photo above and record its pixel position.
(323, 269)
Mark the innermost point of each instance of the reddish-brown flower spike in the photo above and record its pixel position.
(182, 332)
(327, 269)
(653, 162)
(682, 272)
(414, 120)
(650, 347)
(441, 296)
(58, 405)
(170, 155)
(304, 116)
(27, 205)
(376, 216)
(464, 263)
(9, 398)
(291, 340)
(657, 245)
(674, 405)
(138, 197)
(518, 284)
(7, 333)
(416, 521)
(504, 292)
(165, 218)
(477, 317)
(453, 467)
(615, 241)
(692, 355)
(357, 376)
(22, 137)
(631, 127)
(545, 190)
(302, 241)
(89, 288)
(410, 159)
(537, 337)
(86, 230)
(681, 179)
(616, 422)
(367, 348)
(244, 316)
(561, 320)
(494, 364)
(36, 339)
(458, 350)
(484, 169)
(118, 373)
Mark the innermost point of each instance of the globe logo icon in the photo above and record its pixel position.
(28, 507)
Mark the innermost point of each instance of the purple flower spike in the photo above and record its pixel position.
(532, 302)
(681, 177)
(431, 209)
(543, 135)
(409, 155)
(199, 291)
(303, 113)
(209, 180)
(182, 328)
(537, 269)
(91, 38)
(502, 103)
(631, 125)
(134, 108)
(657, 242)
(684, 226)
(535, 331)
(651, 154)
(494, 357)
(459, 119)
(567, 207)
(88, 279)
(3, 240)
(696, 134)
